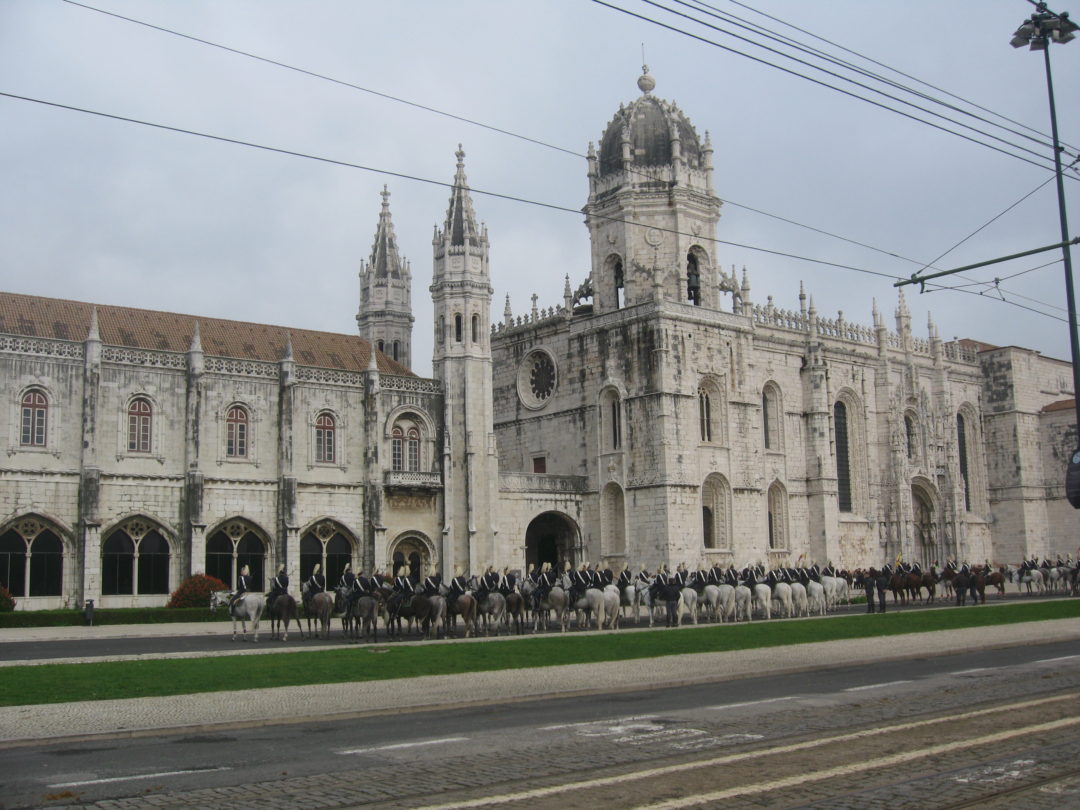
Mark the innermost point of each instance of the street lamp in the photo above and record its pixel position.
(1037, 32)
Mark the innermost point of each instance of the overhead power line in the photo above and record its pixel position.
(822, 83)
(738, 21)
(403, 176)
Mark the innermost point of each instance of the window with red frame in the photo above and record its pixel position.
(140, 416)
(236, 432)
(35, 419)
(325, 428)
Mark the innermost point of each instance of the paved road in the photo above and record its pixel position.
(923, 731)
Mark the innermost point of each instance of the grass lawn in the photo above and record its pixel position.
(60, 683)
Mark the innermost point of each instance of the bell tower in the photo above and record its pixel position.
(461, 293)
(385, 318)
(652, 212)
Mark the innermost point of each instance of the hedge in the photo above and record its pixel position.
(75, 618)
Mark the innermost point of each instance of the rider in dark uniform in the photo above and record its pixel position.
(625, 578)
(579, 582)
(316, 584)
(348, 579)
(278, 586)
(869, 583)
(431, 584)
(545, 581)
(402, 583)
(243, 585)
(507, 583)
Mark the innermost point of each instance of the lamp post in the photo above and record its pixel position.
(1037, 32)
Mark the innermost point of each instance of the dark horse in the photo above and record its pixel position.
(281, 612)
(973, 583)
(515, 609)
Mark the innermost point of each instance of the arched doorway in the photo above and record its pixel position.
(924, 527)
(329, 545)
(32, 559)
(414, 552)
(233, 546)
(552, 538)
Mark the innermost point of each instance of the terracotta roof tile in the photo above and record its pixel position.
(35, 316)
(1060, 405)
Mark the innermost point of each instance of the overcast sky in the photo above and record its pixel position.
(100, 210)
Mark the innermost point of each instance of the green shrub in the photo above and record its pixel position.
(195, 591)
(108, 616)
(7, 600)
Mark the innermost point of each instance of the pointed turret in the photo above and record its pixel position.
(385, 318)
(460, 229)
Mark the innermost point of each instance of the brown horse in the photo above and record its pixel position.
(997, 579)
(281, 612)
(468, 609)
(515, 611)
(321, 609)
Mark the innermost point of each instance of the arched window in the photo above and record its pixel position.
(35, 419)
(925, 535)
(46, 565)
(397, 350)
(705, 414)
(118, 565)
(251, 552)
(778, 539)
(442, 330)
(843, 457)
(397, 449)
(458, 328)
(325, 427)
(770, 416)
(325, 546)
(716, 512)
(140, 415)
(236, 432)
(910, 437)
(475, 328)
(965, 465)
(620, 285)
(381, 346)
(693, 279)
(219, 558)
(13, 562)
(610, 421)
(153, 564)
(413, 449)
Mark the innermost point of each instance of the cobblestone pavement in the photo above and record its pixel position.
(751, 749)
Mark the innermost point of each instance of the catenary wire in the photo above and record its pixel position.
(429, 181)
(882, 65)
(463, 119)
(519, 136)
(822, 83)
(731, 19)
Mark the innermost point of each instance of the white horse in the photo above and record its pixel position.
(782, 595)
(743, 599)
(689, 601)
(799, 599)
(633, 597)
(1029, 577)
(592, 602)
(815, 598)
(762, 599)
(248, 608)
(710, 597)
(612, 598)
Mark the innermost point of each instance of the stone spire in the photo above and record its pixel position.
(461, 224)
(385, 259)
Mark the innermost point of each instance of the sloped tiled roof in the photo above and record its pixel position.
(35, 316)
(1060, 405)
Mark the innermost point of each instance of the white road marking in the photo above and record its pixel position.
(723, 706)
(858, 767)
(875, 686)
(135, 776)
(667, 770)
(397, 746)
(969, 671)
(560, 726)
(1055, 660)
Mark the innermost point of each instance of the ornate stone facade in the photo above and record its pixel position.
(657, 415)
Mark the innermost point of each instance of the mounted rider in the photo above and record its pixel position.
(402, 583)
(243, 585)
(490, 581)
(545, 581)
(507, 583)
(625, 577)
(278, 585)
(431, 584)
(348, 579)
(579, 581)
(316, 583)
(459, 585)
(607, 576)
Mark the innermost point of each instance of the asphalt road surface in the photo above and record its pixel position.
(984, 729)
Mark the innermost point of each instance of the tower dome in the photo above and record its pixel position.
(649, 132)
